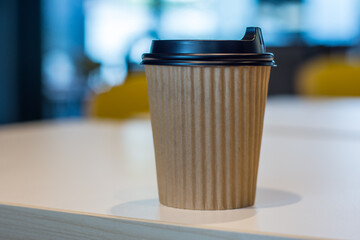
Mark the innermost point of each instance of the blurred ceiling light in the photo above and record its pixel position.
(58, 69)
(188, 23)
(332, 22)
(109, 26)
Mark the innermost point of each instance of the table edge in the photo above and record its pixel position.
(23, 221)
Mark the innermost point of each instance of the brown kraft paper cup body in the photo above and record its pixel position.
(207, 126)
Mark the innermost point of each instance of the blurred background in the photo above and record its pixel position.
(76, 58)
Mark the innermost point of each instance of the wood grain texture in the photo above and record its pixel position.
(19, 222)
(207, 126)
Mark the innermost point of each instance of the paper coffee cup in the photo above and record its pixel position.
(207, 119)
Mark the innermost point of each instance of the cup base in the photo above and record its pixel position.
(211, 208)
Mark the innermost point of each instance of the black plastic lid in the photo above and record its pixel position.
(248, 51)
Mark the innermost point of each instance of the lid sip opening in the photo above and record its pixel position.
(250, 50)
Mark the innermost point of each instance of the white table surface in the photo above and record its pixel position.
(90, 179)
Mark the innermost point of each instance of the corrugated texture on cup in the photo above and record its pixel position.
(207, 127)
(249, 51)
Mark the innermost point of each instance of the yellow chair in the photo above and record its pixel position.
(329, 76)
(123, 101)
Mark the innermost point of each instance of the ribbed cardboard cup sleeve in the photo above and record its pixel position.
(207, 126)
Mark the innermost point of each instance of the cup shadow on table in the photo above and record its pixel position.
(151, 209)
